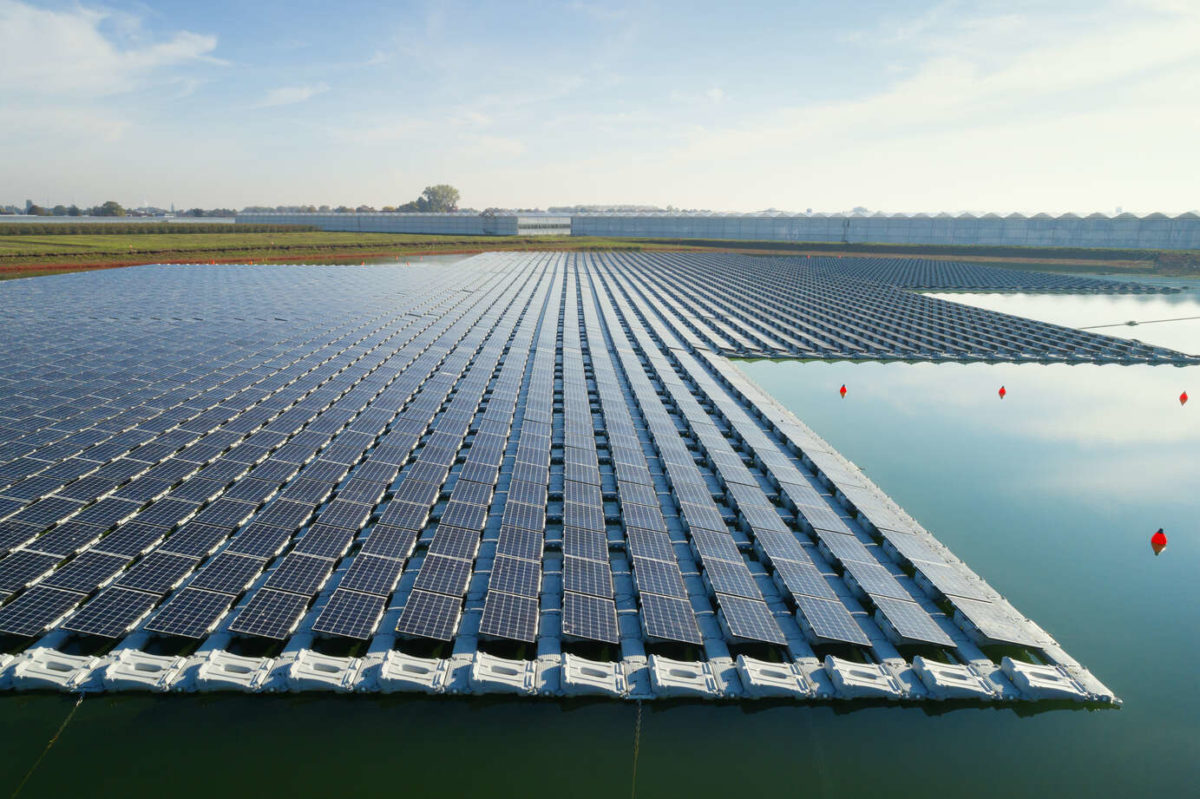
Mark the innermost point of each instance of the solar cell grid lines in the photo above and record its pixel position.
(564, 406)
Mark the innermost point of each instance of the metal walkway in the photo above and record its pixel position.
(523, 474)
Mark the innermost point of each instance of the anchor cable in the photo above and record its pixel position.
(49, 744)
(637, 745)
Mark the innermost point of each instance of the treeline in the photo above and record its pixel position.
(147, 228)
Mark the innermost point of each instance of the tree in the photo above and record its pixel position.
(110, 208)
(440, 199)
(74, 210)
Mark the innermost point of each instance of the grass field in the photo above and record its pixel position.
(29, 255)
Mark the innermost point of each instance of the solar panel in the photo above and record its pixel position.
(589, 617)
(300, 574)
(270, 614)
(112, 613)
(325, 541)
(428, 615)
(994, 622)
(911, 621)
(479, 473)
(650, 544)
(108, 512)
(194, 539)
(830, 621)
(517, 543)
(158, 572)
(350, 614)
(36, 609)
(516, 576)
(228, 573)
(260, 540)
(389, 542)
(22, 567)
(587, 577)
(947, 579)
(86, 572)
(443, 575)
(407, 515)
(509, 616)
(285, 513)
(369, 574)
(588, 544)
(454, 543)
(731, 578)
(822, 517)
(344, 514)
(365, 491)
(670, 619)
(876, 580)
(658, 577)
(750, 619)
(803, 578)
(65, 538)
(845, 547)
(644, 517)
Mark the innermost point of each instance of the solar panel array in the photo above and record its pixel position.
(525, 453)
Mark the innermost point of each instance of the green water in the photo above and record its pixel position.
(1051, 494)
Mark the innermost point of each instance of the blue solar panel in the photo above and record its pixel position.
(670, 619)
(830, 621)
(36, 609)
(158, 572)
(587, 576)
(86, 572)
(443, 575)
(369, 574)
(270, 614)
(228, 573)
(20, 568)
(429, 615)
(112, 613)
(658, 577)
(516, 576)
(300, 574)
(350, 614)
(509, 616)
(589, 617)
(190, 613)
(750, 619)
(389, 542)
(911, 622)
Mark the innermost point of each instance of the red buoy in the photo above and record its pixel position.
(842, 390)
(1158, 541)
(1003, 391)
(1183, 398)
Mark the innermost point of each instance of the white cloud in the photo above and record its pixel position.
(65, 53)
(290, 95)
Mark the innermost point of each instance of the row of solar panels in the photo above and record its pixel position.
(784, 306)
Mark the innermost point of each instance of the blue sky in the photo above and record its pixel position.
(897, 106)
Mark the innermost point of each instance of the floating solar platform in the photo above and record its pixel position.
(534, 473)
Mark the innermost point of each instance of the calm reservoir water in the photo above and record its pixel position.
(1051, 494)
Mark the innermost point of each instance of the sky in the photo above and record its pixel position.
(899, 106)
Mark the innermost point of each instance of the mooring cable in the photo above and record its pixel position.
(637, 745)
(1135, 323)
(49, 744)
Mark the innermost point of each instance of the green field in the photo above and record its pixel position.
(53, 251)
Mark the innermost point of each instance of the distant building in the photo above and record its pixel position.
(458, 224)
(1124, 231)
